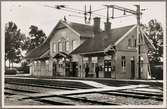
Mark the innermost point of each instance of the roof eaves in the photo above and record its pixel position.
(91, 52)
(125, 35)
(71, 28)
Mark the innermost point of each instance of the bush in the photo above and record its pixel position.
(23, 69)
(11, 72)
(157, 72)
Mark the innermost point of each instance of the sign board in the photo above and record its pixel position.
(109, 57)
(85, 59)
(75, 58)
(94, 59)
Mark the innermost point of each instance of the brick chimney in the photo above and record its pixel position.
(96, 27)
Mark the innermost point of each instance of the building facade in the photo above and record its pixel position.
(72, 46)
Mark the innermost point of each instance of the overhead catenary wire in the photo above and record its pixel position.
(84, 12)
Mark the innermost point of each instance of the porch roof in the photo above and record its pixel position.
(62, 54)
(36, 53)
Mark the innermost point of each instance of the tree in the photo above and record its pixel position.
(14, 41)
(37, 37)
(154, 31)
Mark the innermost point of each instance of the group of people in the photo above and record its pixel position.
(97, 69)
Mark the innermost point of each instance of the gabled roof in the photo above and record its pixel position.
(102, 40)
(37, 52)
(85, 31)
(82, 29)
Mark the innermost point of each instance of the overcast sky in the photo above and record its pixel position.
(25, 14)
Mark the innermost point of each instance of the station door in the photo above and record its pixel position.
(107, 68)
(71, 69)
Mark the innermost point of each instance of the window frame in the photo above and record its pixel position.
(74, 47)
(60, 49)
(54, 47)
(129, 43)
(123, 62)
(67, 43)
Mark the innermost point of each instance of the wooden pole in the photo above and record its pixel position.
(138, 40)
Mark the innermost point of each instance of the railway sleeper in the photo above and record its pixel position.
(21, 90)
(142, 93)
(44, 86)
(133, 95)
(72, 98)
(51, 102)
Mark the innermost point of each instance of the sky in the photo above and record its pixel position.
(25, 14)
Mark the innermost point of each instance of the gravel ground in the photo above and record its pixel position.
(14, 100)
(119, 99)
(34, 89)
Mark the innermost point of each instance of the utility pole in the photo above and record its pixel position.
(107, 14)
(138, 40)
(137, 13)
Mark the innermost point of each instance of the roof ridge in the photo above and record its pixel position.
(81, 24)
(123, 26)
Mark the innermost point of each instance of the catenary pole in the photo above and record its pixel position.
(138, 41)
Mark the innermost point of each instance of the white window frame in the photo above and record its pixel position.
(60, 48)
(74, 45)
(67, 45)
(123, 63)
(129, 43)
(54, 47)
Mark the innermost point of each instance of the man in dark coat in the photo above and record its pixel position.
(97, 69)
(86, 70)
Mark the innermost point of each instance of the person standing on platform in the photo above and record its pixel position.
(86, 70)
(97, 71)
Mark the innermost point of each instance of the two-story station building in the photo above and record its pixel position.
(70, 46)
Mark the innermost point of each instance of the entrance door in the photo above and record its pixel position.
(67, 70)
(60, 68)
(74, 69)
(107, 68)
(132, 69)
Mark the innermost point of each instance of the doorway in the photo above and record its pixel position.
(107, 68)
(132, 69)
(74, 66)
(54, 68)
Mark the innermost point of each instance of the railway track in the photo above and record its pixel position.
(55, 99)
(70, 100)
(48, 83)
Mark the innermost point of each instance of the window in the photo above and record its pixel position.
(129, 43)
(60, 46)
(123, 60)
(141, 61)
(54, 47)
(134, 42)
(67, 46)
(74, 44)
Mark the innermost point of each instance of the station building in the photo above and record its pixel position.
(70, 46)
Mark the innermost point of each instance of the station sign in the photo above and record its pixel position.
(85, 59)
(94, 59)
(108, 57)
